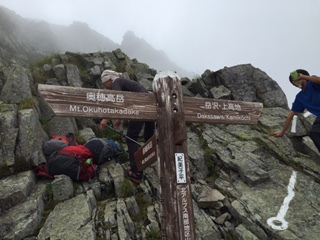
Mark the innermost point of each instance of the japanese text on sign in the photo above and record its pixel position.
(180, 168)
(185, 213)
(101, 97)
(223, 106)
(88, 109)
(147, 147)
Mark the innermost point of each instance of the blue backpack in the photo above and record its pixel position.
(103, 149)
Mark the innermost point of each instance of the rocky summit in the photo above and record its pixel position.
(245, 183)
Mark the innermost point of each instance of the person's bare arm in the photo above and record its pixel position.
(104, 123)
(313, 79)
(286, 125)
(118, 125)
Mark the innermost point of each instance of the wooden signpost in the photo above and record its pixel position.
(171, 111)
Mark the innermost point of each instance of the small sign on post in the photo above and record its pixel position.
(181, 171)
(147, 154)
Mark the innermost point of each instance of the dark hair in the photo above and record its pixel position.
(302, 71)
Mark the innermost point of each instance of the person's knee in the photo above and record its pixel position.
(314, 134)
(315, 137)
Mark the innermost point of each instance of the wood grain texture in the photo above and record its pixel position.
(177, 219)
(97, 103)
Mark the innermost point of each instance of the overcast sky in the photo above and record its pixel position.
(276, 36)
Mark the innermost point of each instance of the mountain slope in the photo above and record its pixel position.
(26, 40)
(138, 48)
(79, 37)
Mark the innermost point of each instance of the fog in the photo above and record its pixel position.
(276, 36)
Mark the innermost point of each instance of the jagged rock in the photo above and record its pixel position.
(220, 92)
(47, 67)
(222, 218)
(199, 167)
(205, 227)
(8, 133)
(198, 87)
(54, 61)
(132, 206)
(62, 188)
(73, 76)
(64, 58)
(94, 58)
(153, 216)
(116, 172)
(110, 218)
(95, 71)
(105, 178)
(30, 128)
(239, 211)
(59, 71)
(207, 197)
(17, 86)
(76, 223)
(61, 126)
(86, 133)
(125, 225)
(243, 234)
(251, 84)
(23, 219)
(15, 189)
(210, 79)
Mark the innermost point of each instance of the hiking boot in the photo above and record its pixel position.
(135, 177)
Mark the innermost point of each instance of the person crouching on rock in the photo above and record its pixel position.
(115, 81)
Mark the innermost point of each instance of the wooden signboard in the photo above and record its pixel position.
(209, 110)
(167, 106)
(95, 103)
(147, 154)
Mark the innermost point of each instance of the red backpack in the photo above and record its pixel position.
(73, 161)
(63, 139)
(56, 143)
(79, 152)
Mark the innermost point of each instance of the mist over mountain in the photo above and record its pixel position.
(79, 37)
(24, 40)
(138, 48)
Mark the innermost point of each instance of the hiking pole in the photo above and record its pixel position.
(123, 135)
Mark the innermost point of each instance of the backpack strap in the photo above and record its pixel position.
(72, 138)
(105, 149)
(42, 171)
(109, 145)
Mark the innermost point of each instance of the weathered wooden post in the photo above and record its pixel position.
(177, 220)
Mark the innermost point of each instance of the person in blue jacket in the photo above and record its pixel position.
(307, 99)
(114, 81)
